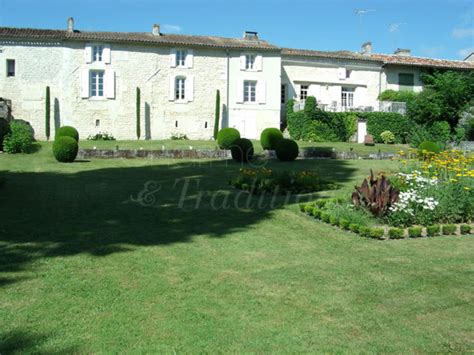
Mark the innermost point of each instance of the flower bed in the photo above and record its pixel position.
(258, 181)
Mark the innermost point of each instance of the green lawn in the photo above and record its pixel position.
(186, 144)
(86, 268)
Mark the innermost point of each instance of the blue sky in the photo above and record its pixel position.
(443, 29)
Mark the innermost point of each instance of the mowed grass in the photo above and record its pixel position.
(203, 144)
(86, 267)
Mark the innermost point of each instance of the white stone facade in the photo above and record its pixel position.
(178, 82)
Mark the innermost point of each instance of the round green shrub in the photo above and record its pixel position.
(365, 231)
(377, 233)
(433, 230)
(65, 149)
(465, 229)
(430, 147)
(395, 233)
(387, 137)
(68, 131)
(270, 137)
(19, 138)
(242, 150)
(449, 229)
(226, 137)
(414, 232)
(286, 149)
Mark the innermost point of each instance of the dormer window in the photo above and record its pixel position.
(181, 58)
(250, 61)
(97, 52)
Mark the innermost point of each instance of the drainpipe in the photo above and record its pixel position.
(227, 88)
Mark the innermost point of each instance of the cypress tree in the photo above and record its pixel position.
(48, 113)
(218, 113)
(138, 113)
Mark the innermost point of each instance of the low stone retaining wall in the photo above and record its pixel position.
(307, 153)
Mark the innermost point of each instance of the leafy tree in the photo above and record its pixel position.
(310, 106)
(138, 112)
(47, 114)
(445, 97)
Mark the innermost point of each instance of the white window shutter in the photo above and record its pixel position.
(171, 88)
(85, 84)
(88, 53)
(106, 54)
(189, 58)
(240, 91)
(297, 91)
(261, 91)
(173, 57)
(242, 61)
(109, 84)
(259, 62)
(189, 87)
(342, 73)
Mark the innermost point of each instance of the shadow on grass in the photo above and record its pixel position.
(114, 210)
(23, 342)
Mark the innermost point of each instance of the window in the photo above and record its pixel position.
(10, 67)
(406, 81)
(179, 88)
(250, 61)
(283, 93)
(181, 58)
(347, 97)
(304, 92)
(97, 53)
(250, 91)
(348, 73)
(97, 83)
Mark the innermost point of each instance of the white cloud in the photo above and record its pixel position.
(463, 32)
(463, 53)
(171, 28)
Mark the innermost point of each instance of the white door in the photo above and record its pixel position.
(361, 131)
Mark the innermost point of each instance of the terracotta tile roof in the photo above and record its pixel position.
(384, 59)
(135, 37)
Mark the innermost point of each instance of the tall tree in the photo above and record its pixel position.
(47, 114)
(217, 114)
(138, 112)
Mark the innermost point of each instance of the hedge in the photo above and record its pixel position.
(378, 122)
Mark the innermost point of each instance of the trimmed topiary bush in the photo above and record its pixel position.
(242, 150)
(430, 147)
(270, 137)
(449, 229)
(19, 139)
(286, 150)
(414, 232)
(226, 137)
(387, 137)
(365, 231)
(432, 231)
(353, 227)
(377, 233)
(395, 233)
(67, 131)
(65, 149)
(465, 229)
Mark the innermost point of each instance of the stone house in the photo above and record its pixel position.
(93, 78)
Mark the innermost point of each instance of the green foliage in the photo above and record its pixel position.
(325, 217)
(334, 220)
(440, 131)
(397, 96)
(430, 147)
(387, 137)
(316, 213)
(217, 115)
(432, 231)
(19, 139)
(286, 149)
(242, 150)
(415, 232)
(297, 124)
(47, 113)
(290, 106)
(101, 136)
(65, 149)
(137, 112)
(378, 122)
(67, 131)
(4, 130)
(270, 137)
(465, 229)
(354, 227)
(377, 233)
(445, 96)
(344, 223)
(179, 137)
(308, 208)
(226, 137)
(448, 229)
(395, 233)
(310, 106)
(365, 231)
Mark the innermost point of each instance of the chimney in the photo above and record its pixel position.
(367, 48)
(251, 36)
(402, 52)
(156, 29)
(70, 24)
